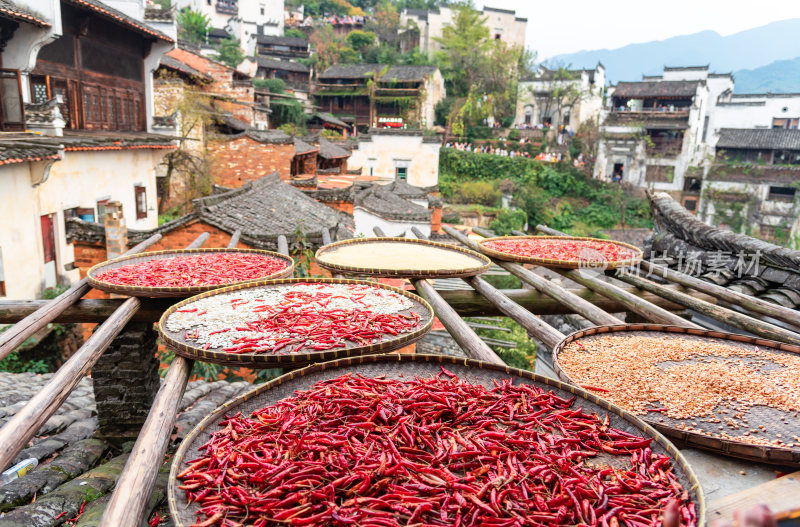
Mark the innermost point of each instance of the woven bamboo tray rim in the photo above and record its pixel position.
(485, 262)
(467, 369)
(263, 361)
(788, 456)
(561, 264)
(173, 292)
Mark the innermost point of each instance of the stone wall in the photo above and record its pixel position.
(125, 381)
(234, 162)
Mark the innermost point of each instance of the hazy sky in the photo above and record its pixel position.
(566, 26)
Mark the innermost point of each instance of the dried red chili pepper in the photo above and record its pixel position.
(195, 270)
(380, 452)
(596, 251)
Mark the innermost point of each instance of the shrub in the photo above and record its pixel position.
(273, 85)
(480, 192)
(508, 220)
(514, 135)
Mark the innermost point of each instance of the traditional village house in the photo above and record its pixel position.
(244, 20)
(752, 185)
(325, 121)
(262, 209)
(375, 95)
(277, 58)
(390, 154)
(249, 155)
(381, 206)
(77, 72)
(427, 25)
(555, 98)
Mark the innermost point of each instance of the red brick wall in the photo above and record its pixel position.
(237, 161)
(342, 206)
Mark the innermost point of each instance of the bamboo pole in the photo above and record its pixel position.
(578, 304)
(464, 335)
(326, 237)
(283, 245)
(234, 241)
(199, 241)
(128, 503)
(21, 428)
(13, 337)
(727, 316)
(466, 303)
(646, 309)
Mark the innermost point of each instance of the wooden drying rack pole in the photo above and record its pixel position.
(631, 302)
(23, 426)
(464, 335)
(128, 504)
(551, 289)
(14, 336)
(726, 316)
(466, 302)
(763, 307)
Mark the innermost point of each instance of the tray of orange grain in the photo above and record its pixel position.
(426, 440)
(729, 393)
(563, 252)
(294, 321)
(401, 258)
(186, 272)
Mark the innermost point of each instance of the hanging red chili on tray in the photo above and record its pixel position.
(436, 451)
(194, 270)
(562, 249)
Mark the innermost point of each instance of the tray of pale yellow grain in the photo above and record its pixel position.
(401, 258)
(732, 394)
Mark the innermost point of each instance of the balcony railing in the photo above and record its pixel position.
(669, 147)
(227, 7)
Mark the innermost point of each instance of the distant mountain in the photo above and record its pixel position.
(781, 76)
(744, 50)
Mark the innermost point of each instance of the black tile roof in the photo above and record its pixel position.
(384, 203)
(328, 118)
(657, 89)
(23, 152)
(403, 189)
(301, 147)
(351, 71)
(20, 13)
(407, 73)
(121, 18)
(329, 150)
(679, 235)
(771, 139)
(282, 41)
(25, 147)
(284, 65)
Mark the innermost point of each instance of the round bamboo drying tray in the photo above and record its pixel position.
(409, 366)
(770, 417)
(176, 292)
(175, 341)
(561, 264)
(482, 263)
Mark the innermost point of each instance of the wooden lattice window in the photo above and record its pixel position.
(40, 92)
(140, 194)
(12, 112)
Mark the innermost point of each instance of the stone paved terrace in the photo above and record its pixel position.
(76, 465)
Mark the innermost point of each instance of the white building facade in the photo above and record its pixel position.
(407, 155)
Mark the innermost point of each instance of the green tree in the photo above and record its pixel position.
(192, 26)
(360, 40)
(229, 52)
(294, 32)
(465, 45)
(385, 23)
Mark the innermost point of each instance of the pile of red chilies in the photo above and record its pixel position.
(564, 250)
(376, 452)
(196, 270)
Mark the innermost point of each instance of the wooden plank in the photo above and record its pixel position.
(234, 241)
(199, 241)
(558, 293)
(13, 337)
(727, 316)
(781, 495)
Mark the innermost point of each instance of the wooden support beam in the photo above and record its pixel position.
(234, 241)
(13, 337)
(727, 316)
(326, 237)
(464, 335)
(576, 303)
(466, 303)
(283, 245)
(199, 241)
(128, 503)
(781, 495)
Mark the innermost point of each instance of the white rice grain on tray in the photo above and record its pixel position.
(231, 310)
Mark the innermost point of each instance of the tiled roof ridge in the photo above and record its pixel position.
(669, 215)
(119, 16)
(23, 13)
(384, 203)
